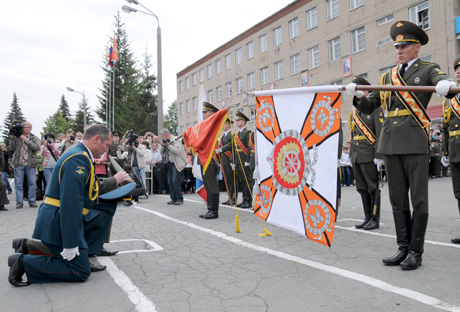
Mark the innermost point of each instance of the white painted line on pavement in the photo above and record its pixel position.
(155, 247)
(414, 295)
(140, 301)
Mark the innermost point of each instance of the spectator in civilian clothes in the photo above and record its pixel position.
(345, 166)
(50, 155)
(100, 166)
(157, 169)
(68, 142)
(6, 167)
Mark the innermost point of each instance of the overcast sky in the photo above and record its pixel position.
(51, 44)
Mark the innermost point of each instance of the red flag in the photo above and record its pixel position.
(202, 137)
(113, 56)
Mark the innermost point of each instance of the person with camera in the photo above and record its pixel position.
(158, 168)
(6, 167)
(3, 197)
(133, 152)
(68, 142)
(50, 155)
(173, 154)
(25, 146)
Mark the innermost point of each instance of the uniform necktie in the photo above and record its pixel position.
(403, 69)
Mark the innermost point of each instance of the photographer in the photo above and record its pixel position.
(133, 153)
(68, 142)
(25, 146)
(6, 167)
(173, 154)
(50, 155)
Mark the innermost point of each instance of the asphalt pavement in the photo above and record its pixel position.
(172, 260)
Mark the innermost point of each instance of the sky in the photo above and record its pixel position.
(49, 45)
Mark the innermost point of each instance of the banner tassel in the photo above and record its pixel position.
(267, 232)
(237, 224)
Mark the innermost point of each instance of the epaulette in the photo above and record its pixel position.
(426, 63)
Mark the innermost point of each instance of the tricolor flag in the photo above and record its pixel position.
(113, 53)
(199, 185)
(297, 141)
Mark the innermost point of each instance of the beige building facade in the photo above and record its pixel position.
(315, 42)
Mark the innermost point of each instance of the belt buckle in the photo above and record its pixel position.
(396, 112)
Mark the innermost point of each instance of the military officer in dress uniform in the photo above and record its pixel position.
(210, 177)
(242, 159)
(404, 139)
(451, 110)
(227, 150)
(114, 148)
(365, 160)
(60, 226)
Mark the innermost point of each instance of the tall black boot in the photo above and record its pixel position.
(414, 257)
(15, 262)
(374, 223)
(366, 198)
(456, 240)
(214, 213)
(403, 227)
(208, 204)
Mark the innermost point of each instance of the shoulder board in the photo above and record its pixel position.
(426, 63)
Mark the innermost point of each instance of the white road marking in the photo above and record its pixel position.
(155, 247)
(410, 294)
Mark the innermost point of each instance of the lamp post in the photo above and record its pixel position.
(128, 9)
(84, 105)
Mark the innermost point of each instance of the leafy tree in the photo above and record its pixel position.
(64, 109)
(15, 115)
(56, 124)
(170, 120)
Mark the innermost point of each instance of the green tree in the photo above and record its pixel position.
(64, 109)
(15, 115)
(56, 124)
(170, 120)
(77, 123)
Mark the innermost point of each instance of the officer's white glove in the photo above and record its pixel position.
(378, 163)
(442, 88)
(351, 90)
(233, 167)
(70, 253)
(218, 150)
(246, 164)
(445, 160)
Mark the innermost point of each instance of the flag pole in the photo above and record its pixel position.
(113, 97)
(431, 89)
(109, 87)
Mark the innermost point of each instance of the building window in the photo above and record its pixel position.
(238, 56)
(337, 82)
(195, 103)
(312, 19)
(228, 89)
(385, 69)
(187, 105)
(201, 74)
(187, 83)
(313, 56)
(385, 20)
(218, 70)
(277, 36)
(239, 85)
(334, 49)
(251, 81)
(209, 70)
(364, 75)
(279, 74)
(358, 40)
(250, 50)
(295, 64)
(332, 7)
(219, 93)
(355, 4)
(293, 28)
(181, 86)
(181, 108)
(194, 79)
(263, 43)
(181, 129)
(264, 76)
(210, 97)
(426, 59)
(420, 15)
(228, 61)
(383, 41)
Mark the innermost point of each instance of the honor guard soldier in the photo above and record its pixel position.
(366, 160)
(114, 148)
(210, 177)
(451, 110)
(242, 159)
(404, 138)
(227, 150)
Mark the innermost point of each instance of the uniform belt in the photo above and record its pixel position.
(359, 137)
(399, 112)
(454, 133)
(239, 150)
(57, 203)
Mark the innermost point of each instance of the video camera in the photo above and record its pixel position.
(132, 137)
(16, 129)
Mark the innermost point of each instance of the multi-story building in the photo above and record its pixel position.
(316, 42)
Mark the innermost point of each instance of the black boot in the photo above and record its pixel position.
(20, 245)
(214, 213)
(208, 204)
(414, 258)
(374, 223)
(456, 240)
(16, 270)
(403, 225)
(366, 198)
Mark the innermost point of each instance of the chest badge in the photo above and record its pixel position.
(417, 80)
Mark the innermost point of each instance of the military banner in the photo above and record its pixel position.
(297, 143)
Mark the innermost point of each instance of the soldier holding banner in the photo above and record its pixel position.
(227, 149)
(242, 159)
(404, 139)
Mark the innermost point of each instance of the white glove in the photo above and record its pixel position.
(246, 164)
(445, 161)
(378, 163)
(70, 253)
(218, 150)
(351, 90)
(443, 86)
(233, 167)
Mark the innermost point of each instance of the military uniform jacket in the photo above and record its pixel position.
(69, 183)
(227, 142)
(243, 135)
(362, 151)
(402, 134)
(453, 144)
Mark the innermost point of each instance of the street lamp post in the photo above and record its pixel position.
(84, 105)
(128, 9)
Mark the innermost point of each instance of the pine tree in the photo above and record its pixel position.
(56, 124)
(64, 109)
(14, 116)
(77, 123)
(170, 122)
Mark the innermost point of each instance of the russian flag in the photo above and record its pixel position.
(113, 53)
